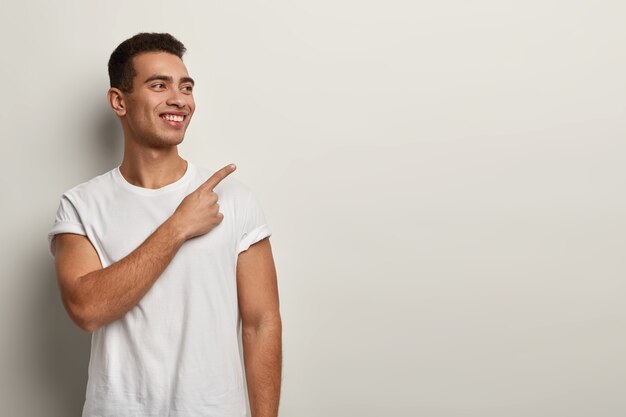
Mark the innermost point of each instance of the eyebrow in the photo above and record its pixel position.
(169, 79)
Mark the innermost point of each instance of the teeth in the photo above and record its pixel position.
(172, 117)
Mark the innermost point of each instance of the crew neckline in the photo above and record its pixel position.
(154, 191)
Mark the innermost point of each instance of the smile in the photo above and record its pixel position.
(173, 117)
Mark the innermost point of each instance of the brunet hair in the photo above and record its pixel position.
(121, 70)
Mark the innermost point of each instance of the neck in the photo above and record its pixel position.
(153, 168)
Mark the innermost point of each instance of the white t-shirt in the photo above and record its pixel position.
(176, 353)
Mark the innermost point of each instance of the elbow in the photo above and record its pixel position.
(82, 317)
(82, 309)
(88, 326)
(266, 323)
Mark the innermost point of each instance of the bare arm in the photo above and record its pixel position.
(262, 327)
(94, 296)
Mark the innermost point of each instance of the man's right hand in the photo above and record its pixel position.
(95, 296)
(198, 213)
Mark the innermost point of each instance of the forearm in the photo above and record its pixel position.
(105, 295)
(262, 347)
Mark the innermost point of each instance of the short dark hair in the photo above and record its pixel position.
(121, 70)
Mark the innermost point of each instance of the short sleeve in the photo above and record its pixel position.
(253, 225)
(67, 220)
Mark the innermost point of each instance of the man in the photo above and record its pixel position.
(162, 274)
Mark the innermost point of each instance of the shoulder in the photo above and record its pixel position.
(90, 189)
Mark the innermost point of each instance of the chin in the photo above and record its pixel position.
(166, 142)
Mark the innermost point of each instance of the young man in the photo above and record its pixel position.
(162, 274)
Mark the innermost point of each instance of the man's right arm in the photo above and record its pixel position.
(95, 296)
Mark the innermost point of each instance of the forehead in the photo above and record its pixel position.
(150, 63)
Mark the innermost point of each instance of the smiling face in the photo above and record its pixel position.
(158, 110)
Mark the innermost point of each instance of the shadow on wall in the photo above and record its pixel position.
(63, 348)
(109, 142)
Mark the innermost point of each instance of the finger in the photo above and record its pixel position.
(219, 176)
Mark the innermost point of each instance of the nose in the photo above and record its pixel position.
(176, 98)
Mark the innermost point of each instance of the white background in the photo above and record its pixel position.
(444, 182)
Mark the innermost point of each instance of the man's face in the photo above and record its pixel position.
(160, 107)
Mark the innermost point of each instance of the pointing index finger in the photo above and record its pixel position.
(218, 176)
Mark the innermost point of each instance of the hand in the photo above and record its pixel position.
(198, 213)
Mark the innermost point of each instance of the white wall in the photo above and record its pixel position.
(444, 181)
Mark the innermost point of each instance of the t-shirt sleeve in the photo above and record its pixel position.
(253, 224)
(67, 220)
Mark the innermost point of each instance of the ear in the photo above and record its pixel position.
(117, 101)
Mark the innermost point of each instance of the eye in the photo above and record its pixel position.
(187, 88)
(158, 85)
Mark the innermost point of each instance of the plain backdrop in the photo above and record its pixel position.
(445, 183)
